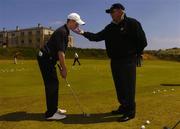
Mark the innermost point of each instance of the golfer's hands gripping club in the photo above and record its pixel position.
(62, 65)
(78, 31)
(63, 71)
(139, 60)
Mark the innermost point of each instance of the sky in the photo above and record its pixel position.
(160, 19)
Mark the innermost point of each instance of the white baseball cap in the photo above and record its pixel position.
(76, 17)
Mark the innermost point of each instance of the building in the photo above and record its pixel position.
(30, 37)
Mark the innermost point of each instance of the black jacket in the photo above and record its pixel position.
(123, 40)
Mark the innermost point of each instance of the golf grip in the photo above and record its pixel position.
(59, 67)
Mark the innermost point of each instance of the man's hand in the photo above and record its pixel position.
(78, 31)
(63, 72)
(62, 66)
(139, 60)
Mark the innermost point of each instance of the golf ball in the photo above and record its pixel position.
(143, 127)
(68, 85)
(88, 115)
(165, 90)
(154, 92)
(147, 122)
(172, 89)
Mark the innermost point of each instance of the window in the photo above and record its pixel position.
(22, 41)
(1, 35)
(30, 33)
(38, 32)
(22, 33)
(13, 34)
(30, 41)
(38, 40)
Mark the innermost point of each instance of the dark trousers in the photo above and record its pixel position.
(49, 74)
(124, 76)
(139, 61)
(76, 59)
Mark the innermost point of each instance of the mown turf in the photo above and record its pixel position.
(22, 100)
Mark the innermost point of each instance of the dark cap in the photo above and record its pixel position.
(115, 6)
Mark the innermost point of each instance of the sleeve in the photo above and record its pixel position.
(60, 41)
(95, 36)
(141, 42)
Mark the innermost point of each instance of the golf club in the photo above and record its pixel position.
(75, 96)
(172, 127)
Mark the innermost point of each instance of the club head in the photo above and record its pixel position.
(166, 127)
(86, 114)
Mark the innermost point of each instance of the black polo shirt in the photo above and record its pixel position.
(124, 40)
(58, 41)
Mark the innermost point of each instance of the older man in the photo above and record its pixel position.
(125, 41)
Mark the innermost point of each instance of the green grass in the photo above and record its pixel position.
(22, 100)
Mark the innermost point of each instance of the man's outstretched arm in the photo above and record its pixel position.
(92, 36)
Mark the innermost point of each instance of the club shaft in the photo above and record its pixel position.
(176, 125)
(75, 96)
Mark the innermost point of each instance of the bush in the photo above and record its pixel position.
(168, 54)
(30, 53)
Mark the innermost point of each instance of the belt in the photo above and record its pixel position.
(46, 50)
(47, 56)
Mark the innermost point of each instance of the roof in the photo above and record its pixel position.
(26, 29)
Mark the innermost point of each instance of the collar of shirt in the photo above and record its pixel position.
(67, 29)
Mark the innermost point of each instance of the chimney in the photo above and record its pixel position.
(4, 29)
(39, 25)
(50, 27)
(17, 28)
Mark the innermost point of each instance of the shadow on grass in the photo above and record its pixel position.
(169, 84)
(71, 118)
(20, 116)
(93, 118)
